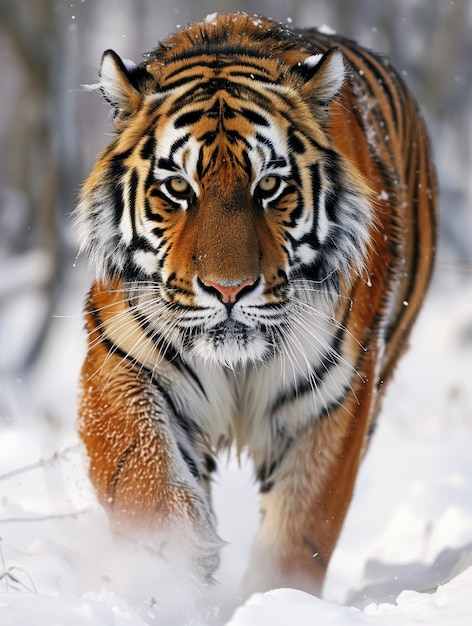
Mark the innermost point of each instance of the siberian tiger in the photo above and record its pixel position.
(262, 229)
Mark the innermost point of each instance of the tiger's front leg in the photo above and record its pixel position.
(306, 498)
(141, 462)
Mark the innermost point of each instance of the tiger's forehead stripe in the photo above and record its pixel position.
(221, 126)
(247, 100)
(256, 80)
(248, 91)
(218, 63)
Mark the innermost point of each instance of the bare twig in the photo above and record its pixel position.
(46, 518)
(42, 463)
(9, 576)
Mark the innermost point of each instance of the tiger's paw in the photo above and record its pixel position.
(183, 534)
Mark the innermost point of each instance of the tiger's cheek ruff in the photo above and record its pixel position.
(124, 221)
(255, 228)
(107, 233)
(334, 242)
(99, 234)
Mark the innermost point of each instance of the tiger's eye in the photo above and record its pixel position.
(178, 185)
(268, 184)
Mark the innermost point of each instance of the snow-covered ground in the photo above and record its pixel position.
(405, 555)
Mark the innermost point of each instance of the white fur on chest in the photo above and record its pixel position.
(240, 405)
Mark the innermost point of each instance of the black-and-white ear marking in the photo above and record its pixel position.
(115, 79)
(123, 83)
(324, 75)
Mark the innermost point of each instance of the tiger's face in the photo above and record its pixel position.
(221, 204)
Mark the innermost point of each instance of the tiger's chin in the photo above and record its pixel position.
(232, 346)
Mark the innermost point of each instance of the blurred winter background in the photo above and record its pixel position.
(414, 501)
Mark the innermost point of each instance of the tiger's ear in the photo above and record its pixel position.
(323, 75)
(122, 83)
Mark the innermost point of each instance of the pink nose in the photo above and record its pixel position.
(228, 293)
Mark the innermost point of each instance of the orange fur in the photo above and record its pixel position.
(153, 410)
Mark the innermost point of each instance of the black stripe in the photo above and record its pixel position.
(199, 167)
(267, 468)
(247, 164)
(203, 91)
(211, 161)
(253, 74)
(412, 274)
(168, 350)
(266, 142)
(170, 354)
(302, 385)
(207, 88)
(254, 117)
(116, 474)
(380, 68)
(185, 423)
(167, 164)
(294, 216)
(117, 169)
(294, 169)
(177, 145)
(192, 117)
(132, 192)
(191, 464)
(148, 148)
(332, 172)
(315, 180)
(382, 74)
(100, 328)
(210, 463)
(184, 81)
(117, 166)
(234, 137)
(294, 141)
(236, 55)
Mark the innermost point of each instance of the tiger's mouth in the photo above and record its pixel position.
(230, 330)
(231, 344)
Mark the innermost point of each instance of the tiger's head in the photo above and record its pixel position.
(222, 204)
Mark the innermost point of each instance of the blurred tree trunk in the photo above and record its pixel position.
(32, 164)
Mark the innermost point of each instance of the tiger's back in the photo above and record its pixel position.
(263, 229)
(391, 142)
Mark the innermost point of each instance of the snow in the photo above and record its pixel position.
(450, 604)
(405, 554)
(326, 30)
(211, 17)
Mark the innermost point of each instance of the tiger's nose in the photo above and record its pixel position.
(229, 293)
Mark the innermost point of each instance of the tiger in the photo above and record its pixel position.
(262, 232)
